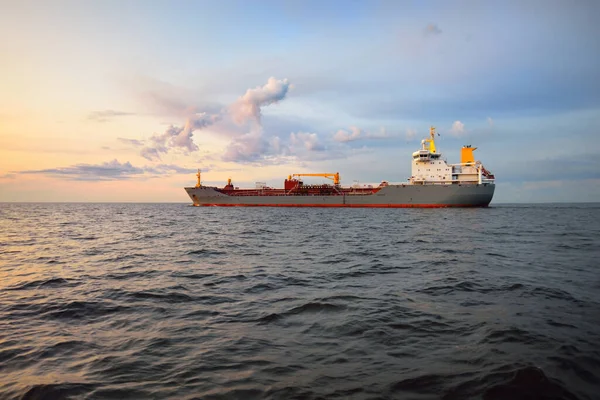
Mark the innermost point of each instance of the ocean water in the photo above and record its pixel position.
(168, 301)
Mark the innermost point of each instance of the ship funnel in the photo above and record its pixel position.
(466, 155)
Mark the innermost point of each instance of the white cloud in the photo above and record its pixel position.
(178, 137)
(310, 141)
(249, 147)
(349, 135)
(248, 106)
(244, 147)
(458, 128)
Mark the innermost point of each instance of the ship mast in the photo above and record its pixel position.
(431, 141)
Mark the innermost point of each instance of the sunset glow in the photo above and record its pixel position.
(112, 101)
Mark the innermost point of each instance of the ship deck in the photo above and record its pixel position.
(303, 191)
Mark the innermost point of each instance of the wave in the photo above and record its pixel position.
(206, 252)
(307, 308)
(512, 335)
(170, 301)
(190, 276)
(79, 310)
(56, 391)
(48, 283)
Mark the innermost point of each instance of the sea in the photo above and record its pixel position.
(169, 301)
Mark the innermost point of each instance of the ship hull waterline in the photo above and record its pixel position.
(392, 196)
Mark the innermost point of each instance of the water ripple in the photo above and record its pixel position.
(111, 301)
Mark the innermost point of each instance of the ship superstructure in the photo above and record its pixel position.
(434, 183)
(428, 166)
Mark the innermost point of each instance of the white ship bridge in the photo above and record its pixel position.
(429, 168)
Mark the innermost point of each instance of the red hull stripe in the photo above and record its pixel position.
(343, 205)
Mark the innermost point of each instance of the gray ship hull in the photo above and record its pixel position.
(393, 196)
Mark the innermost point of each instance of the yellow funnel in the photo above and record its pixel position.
(466, 155)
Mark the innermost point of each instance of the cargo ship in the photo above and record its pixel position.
(434, 183)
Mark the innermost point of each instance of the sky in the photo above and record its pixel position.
(124, 100)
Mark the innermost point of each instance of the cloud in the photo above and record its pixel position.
(263, 143)
(350, 135)
(248, 106)
(310, 141)
(431, 30)
(178, 137)
(254, 147)
(278, 146)
(382, 134)
(105, 115)
(354, 133)
(109, 171)
(167, 169)
(458, 128)
(247, 148)
(329, 153)
(193, 123)
(132, 142)
(152, 153)
(244, 147)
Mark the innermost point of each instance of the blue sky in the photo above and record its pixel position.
(105, 101)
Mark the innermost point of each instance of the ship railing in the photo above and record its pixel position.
(452, 182)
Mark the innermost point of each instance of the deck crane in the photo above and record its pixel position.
(335, 177)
